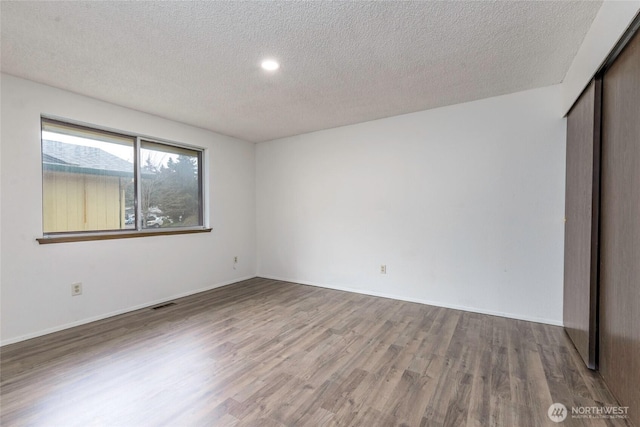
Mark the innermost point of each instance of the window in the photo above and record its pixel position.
(106, 182)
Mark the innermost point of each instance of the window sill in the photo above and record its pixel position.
(119, 235)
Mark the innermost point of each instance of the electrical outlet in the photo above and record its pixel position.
(383, 269)
(76, 289)
(235, 259)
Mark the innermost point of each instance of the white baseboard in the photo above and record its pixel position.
(302, 282)
(422, 301)
(117, 312)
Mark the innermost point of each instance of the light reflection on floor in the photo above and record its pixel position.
(123, 387)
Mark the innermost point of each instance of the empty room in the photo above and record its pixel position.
(320, 213)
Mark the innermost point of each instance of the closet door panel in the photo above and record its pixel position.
(581, 213)
(619, 356)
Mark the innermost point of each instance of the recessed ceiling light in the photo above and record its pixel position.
(270, 65)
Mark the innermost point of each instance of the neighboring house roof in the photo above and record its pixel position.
(63, 157)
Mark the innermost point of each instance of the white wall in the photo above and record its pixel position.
(464, 204)
(117, 275)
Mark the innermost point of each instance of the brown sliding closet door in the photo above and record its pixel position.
(581, 227)
(619, 357)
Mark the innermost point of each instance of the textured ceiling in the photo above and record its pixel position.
(341, 62)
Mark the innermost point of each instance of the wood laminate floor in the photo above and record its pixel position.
(270, 353)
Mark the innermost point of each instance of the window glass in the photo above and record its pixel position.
(90, 183)
(170, 186)
(87, 179)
